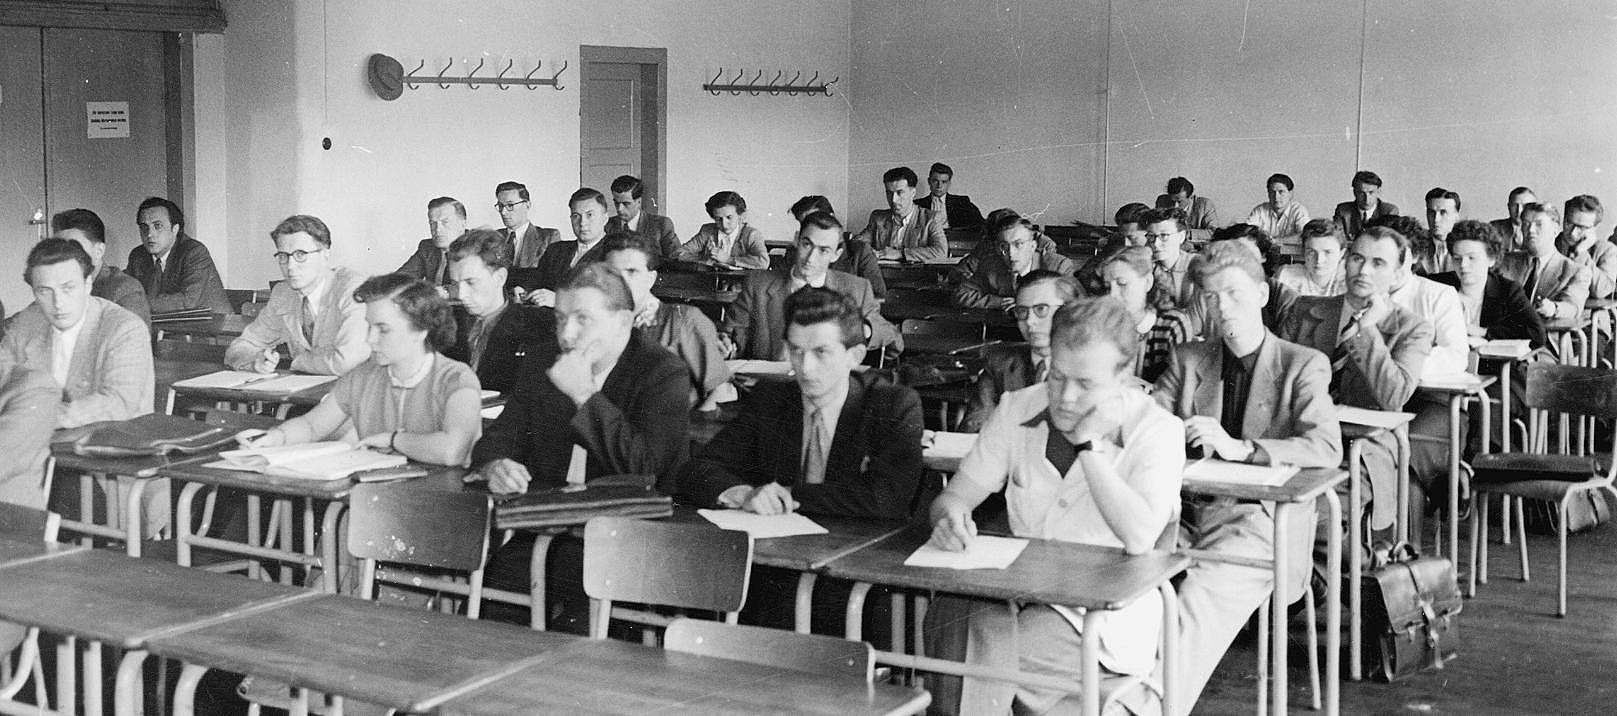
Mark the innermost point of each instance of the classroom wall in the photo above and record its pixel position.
(295, 75)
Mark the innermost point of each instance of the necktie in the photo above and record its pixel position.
(576, 465)
(814, 452)
(443, 268)
(157, 271)
(308, 322)
(1169, 289)
(1532, 281)
(1340, 356)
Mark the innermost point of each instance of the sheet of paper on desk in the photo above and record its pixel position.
(759, 367)
(948, 445)
(223, 379)
(984, 553)
(1239, 473)
(1506, 346)
(493, 411)
(790, 524)
(486, 394)
(292, 383)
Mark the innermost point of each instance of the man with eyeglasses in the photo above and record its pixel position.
(988, 277)
(1165, 230)
(1580, 242)
(528, 242)
(313, 311)
(1014, 367)
(446, 219)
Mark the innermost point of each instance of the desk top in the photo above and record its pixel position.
(132, 466)
(811, 552)
(1384, 419)
(15, 553)
(1049, 572)
(223, 326)
(124, 601)
(258, 482)
(1304, 486)
(1503, 349)
(308, 397)
(407, 659)
(616, 677)
(1467, 384)
(686, 294)
(1562, 325)
(923, 343)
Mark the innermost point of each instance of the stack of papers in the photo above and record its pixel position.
(311, 461)
(790, 524)
(759, 367)
(1212, 470)
(983, 553)
(285, 383)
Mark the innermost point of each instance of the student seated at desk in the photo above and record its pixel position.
(83, 226)
(954, 211)
(632, 218)
(1014, 367)
(1282, 216)
(1320, 273)
(29, 401)
(1130, 232)
(1557, 286)
(1247, 396)
(1260, 245)
(904, 231)
(729, 240)
(176, 270)
(408, 398)
(989, 276)
(1581, 242)
(602, 400)
(446, 220)
(493, 331)
(1128, 277)
(313, 311)
(588, 212)
(528, 242)
(1495, 307)
(1085, 457)
(857, 256)
(679, 327)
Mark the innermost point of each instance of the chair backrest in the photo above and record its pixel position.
(942, 328)
(686, 565)
(26, 523)
(188, 351)
(812, 653)
(421, 527)
(1572, 389)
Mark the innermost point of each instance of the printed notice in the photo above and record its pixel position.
(107, 120)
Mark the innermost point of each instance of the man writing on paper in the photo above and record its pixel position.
(1246, 396)
(1084, 457)
(313, 312)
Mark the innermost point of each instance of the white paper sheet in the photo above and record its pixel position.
(224, 379)
(1239, 473)
(289, 384)
(759, 367)
(493, 411)
(983, 553)
(790, 524)
(937, 444)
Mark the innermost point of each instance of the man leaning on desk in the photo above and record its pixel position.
(176, 270)
(313, 311)
(904, 231)
(989, 276)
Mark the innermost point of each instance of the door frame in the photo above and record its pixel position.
(653, 60)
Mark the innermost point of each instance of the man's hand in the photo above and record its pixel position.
(1007, 302)
(255, 438)
(1547, 308)
(953, 531)
(727, 346)
(769, 499)
(1380, 307)
(540, 297)
(1206, 433)
(506, 477)
(573, 376)
(267, 361)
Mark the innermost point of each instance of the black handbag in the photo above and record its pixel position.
(1412, 607)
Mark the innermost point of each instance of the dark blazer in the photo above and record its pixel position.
(961, 213)
(425, 263)
(857, 259)
(554, 266)
(122, 289)
(873, 468)
(1506, 311)
(1510, 234)
(757, 319)
(652, 226)
(1352, 222)
(983, 277)
(519, 329)
(636, 425)
(189, 280)
(534, 242)
(1005, 368)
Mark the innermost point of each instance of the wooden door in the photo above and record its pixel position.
(610, 115)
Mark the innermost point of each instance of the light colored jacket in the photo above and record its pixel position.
(110, 376)
(339, 329)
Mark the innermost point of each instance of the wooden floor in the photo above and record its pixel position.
(1516, 656)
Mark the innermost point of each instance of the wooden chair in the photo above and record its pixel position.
(1558, 478)
(23, 524)
(686, 566)
(812, 653)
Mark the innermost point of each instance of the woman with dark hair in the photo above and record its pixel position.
(728, 240)
(1128, 278)
(1495, 307)
(407, 398)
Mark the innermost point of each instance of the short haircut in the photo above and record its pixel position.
(418, 300)
(1268, 253)
(1137, 258)
(1101, 319)
(823, 221)
(1129, 213)
(1228, 255)
(1384, 232)
(723, 199)
(587, 194)
(904, 174)
(629, 184)
(1546, 208)
(442, 201)
(50, 252)
(812, 204)
(1409, 227)
(810, 306)
(518, 187)
(602, 278)
(1518, 191)
(84, 220)
(1364, 177)
(1066, 286)
(1180, 185)
(1319, 228)
(175, 216)
(1170, 213)
(314, 227)
(941, 168)
(1164, 201)
(1004, 220)
(1584, 202)
(624, 241)
(1478, 231)
(1441, 193)
(488, 245)
(1280, 179)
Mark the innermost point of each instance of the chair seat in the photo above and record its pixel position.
(1552, 490)
(1494, 468)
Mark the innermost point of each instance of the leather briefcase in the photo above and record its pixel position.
(1412, 606)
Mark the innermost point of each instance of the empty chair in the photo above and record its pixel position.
(681, 565)
(19, 646)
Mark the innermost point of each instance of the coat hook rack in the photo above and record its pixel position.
(774, 86)
(389, 80)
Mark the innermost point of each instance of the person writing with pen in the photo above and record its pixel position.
(313, 311)
(1087, 456)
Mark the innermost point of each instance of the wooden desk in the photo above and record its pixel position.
(124, 515)
(406, 659)
(930, 344)
(1298, 493)
(1458, 391)
(927, 275)
(612, 677)
(219, 326)
(696, 296)
(15, 553)
(306, 398)
(1093, 579)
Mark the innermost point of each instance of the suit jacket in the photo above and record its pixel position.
(1506, 311)
(872, 469)
(958, 210)
(534, 242)
(189, 278)
(514, 333)
(426, 262)
(1600, 258)
(339, 328)
(555, 265)
(748, 251)
(110, 375)
(1510, 233)
(858, 259)
(652, 226)
(637, 424)
(983, 278)
(28, 414)
(1352, 222)
(757, 320)
(921, 239)
(1202, 217)
(122, 289)
(1560, 279)
(1005, 368)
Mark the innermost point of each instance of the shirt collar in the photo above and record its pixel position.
(1146, 322)
(831, 405)
(415, 378)
(318, 290)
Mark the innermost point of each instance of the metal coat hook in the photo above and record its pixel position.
(441, 84)
(471, 76)
(407, 78)
(389, 80)
(555, 79)
(499, 79)
(774, 87)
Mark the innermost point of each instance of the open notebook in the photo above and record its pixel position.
(286, 383)
(310, 461)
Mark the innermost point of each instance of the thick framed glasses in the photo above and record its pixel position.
(1008, 247)
(501, 206)
(1038, 310)
(1153, 238)
(299, 256)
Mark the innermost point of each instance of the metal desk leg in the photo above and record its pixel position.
(1456, 401)
(1355, 561)
(803, 621)
(127, 695)
(67, 676)
(328, 547)
(182, 519)
(1277, 613)
(132, 515)
(92, 679)
(310, 537)
(853, 623)
(1504, 406)
(87, 506)
(255, 568)
(1091, 663)
(185, 690)
(1170, 649)
(1402, 434)
(1333, 603)
(537, 612)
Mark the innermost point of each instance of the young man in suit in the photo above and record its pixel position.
(1165, 231)
(1581, 242)
(630, 217)
(958, 211)
(492, 333)
(528, 242)
(1201, 217)
(679, 327)
(83, 226)
(1367, 205)
(588, 212)
(446, 220)
(313, 311)
(1014, 367)
(755, 324)
(1246, 396)
(989, 276)
(1442, 210)
(904, 231)
(600, 400)
(1556, 285)
(176, 270)
(857, 256)
(1510, 227)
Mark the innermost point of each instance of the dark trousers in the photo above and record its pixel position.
(567, 606)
